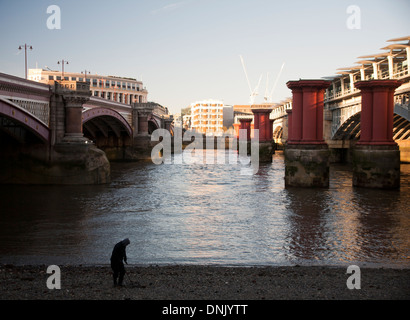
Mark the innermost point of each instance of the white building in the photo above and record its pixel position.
(207, 117)
(123, 90)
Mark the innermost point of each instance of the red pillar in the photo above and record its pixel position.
(306, 125)
(320, 100)
(246, 124)
(290, 125)
(366, 121)
(297, 107)
(376, 118)
(236, 127)
(262, 122)
(309, 115)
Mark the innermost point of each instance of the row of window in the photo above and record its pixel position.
(123, 98)
(100, 83)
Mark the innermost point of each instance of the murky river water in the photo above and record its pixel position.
(207, 214)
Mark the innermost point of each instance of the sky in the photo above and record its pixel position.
(189, 50)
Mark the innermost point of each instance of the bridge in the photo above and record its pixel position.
(343, 102)
(59, 133)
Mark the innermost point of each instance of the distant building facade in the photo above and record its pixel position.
(123, 90)
(207, 117)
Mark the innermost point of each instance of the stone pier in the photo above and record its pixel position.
(376, 157)
(264, 125)
(74, 159)
(306, 153)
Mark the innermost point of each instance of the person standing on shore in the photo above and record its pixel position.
(117, 257)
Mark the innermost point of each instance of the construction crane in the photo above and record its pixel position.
(268, 96)
(254, 92)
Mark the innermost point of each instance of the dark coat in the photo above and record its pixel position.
(118, 253)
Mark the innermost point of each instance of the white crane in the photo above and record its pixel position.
(269, 97)
(254, 92)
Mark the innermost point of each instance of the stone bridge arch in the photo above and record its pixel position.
(278, 134)
(109, 130)
(109, 120)
(350, 129)
(153, 124)
(16, 122)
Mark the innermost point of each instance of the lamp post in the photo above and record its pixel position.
(85, 74)
(62, 62)
(25, 55)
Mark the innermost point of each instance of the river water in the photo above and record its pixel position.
(207, 214)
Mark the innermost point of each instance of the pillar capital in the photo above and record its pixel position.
(378, 84)
(313, 84)
(75, 101)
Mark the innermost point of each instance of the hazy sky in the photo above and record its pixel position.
(188, 50)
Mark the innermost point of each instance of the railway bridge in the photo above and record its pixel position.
(343, 102)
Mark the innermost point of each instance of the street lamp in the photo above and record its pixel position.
(85, 74)
(62, 62)
(25, 55)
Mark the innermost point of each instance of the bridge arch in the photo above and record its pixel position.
(278, 134)
(153, 124)
(350, 129)
(105, 121)
(13, 119)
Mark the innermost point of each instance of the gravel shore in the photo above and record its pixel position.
(185, 282)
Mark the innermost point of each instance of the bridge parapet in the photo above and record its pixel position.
(32, 96)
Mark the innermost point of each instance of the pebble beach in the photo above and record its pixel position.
(187, 282)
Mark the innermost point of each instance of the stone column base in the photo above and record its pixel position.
(376, 166)
(75, 138)
(306, 165)
(266, 150)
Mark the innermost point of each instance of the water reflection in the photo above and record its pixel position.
(207, 214)
(307, 233)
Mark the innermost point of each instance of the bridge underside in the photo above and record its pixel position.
(21, 125)
(350, 130)
(109, 134)
(349, 133)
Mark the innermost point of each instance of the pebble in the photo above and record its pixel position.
(188, 282)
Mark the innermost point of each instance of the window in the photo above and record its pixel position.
(50, 77)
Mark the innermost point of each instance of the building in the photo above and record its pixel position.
(207, 117)
(123, 90)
